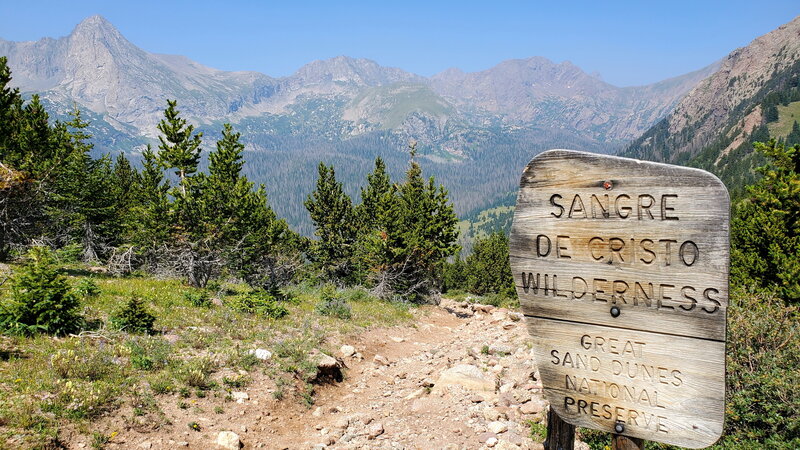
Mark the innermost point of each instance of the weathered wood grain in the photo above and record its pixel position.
(594, 232)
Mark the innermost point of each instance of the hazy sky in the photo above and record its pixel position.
(627, 43)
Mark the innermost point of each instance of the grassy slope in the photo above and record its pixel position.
(787, 115)
(48, 383)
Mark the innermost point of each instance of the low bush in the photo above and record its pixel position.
(261, 303)
(333, 304)
(198, 299)
(133, 318)
(149, 353)
(763, 404)
(87, 288)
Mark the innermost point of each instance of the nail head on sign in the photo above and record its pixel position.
(619, 428)
(615, 311)
(607, 185)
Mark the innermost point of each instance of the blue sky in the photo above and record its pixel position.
(627, 43)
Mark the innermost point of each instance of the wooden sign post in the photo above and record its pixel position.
(621, 267)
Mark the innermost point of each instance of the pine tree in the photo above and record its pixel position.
(488, 267)
(179, 145)
(420, 233)
(765, 233)
(377, 197)
(41, 299)
(225, 165)
(794, 135)
(10, 107)
(150, 217)
(331, 211)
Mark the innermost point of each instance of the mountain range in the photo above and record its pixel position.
(476, 130)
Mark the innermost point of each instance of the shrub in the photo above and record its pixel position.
(195, 373)
(763, 406)
(133, 318)
(261, 303)
(87, 288)
(333, 304)
(198, 299)
(149, 353)
(69, 254)
(41, 299)
(84, 362)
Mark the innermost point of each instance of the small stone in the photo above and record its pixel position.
(515, 316)
(505, 445)
(182, 444)
(375, 430)
(491, 442)
(491, 414)
(228, 440)
(465, 375)
(497, 427)
(240, 397)
(82, 445)
(532, 407)
(416, 394)
(347, 351)
(342, 423)
(477, 398)
(145, 445)
(397, 339)
(261, 353)
(317, 412)
(380, 360)
(244, 429)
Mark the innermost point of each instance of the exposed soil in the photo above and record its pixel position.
(391, 396)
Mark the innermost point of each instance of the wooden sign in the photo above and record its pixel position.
(621, 267)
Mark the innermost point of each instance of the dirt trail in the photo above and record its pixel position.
(391, 397)
(461, 377)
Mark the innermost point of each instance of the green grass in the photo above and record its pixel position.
(395, 102)
(787, 115)
(49, 382)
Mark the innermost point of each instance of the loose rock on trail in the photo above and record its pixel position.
(463, 377)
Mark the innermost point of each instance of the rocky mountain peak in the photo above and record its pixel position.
(344, 69)
(96, 29)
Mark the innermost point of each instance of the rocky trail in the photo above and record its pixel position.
(461, 377)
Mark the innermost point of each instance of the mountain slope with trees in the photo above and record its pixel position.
(715, 125)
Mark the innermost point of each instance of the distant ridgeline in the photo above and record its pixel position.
(772, 112)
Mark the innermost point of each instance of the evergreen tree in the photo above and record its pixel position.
(150, 219)
(242, 223)
(765, 233)
(794, 135)
(419, 234)
(771, 112)
(376, 198)
(10, 107)
(179, 145)
(41, 300)
(331, 211)
(488, 268)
